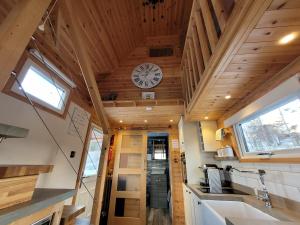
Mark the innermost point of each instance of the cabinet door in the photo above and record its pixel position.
(188, 206)
(208, 129)
(197, 210)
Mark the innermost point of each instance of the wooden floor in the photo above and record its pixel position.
(158, 217)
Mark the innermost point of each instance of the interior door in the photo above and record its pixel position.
(128, 194)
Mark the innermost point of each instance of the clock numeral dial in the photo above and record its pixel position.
(146, 75)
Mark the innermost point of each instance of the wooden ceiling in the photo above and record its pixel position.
(250, 60)
(117, 38)
(168, 18)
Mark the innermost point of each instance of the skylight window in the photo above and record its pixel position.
(41, 87)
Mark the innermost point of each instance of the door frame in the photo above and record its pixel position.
(84, 154)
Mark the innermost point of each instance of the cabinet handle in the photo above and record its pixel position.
(199, 203)
(189, 192)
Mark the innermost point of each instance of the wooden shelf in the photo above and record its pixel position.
(226, 158)
(70, 212)
(8, 171)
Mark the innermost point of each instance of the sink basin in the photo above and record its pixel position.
(215, 212)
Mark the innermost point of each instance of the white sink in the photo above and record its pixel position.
(215, 212)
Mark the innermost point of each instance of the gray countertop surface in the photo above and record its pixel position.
(237, 221)
(42, 198)
(285, 217)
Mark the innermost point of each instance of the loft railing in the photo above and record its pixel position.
(208, 23)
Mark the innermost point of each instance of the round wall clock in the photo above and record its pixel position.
(146, 75)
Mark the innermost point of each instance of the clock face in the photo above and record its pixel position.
(146, 75)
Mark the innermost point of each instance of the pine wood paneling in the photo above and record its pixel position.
(255, 58)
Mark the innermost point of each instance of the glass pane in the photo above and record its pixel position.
(129, 182)
(130, 160)
(94, 152)
(132, 141)
(278, 129)
(127, 207)
(40, 86)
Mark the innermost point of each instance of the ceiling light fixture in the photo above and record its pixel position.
(227, 96)
(145, 121)
(149, 108)
(121, 121)
(288, 38)
(41, 27)
(206, 117)
(171, 121)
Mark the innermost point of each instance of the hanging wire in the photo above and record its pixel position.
(47, 128)
(62, 99)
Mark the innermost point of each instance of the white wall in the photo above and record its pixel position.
(38, 147)
(281, 179)
(194, 154)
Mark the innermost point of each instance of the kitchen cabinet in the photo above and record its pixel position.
(192, 207)
(208, 136)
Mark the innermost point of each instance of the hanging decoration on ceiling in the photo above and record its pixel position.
(154, 5)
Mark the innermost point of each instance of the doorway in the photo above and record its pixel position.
(89, 177)
(158, 181)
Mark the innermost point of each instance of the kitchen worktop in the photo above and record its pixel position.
(286, 217)
(42, 198)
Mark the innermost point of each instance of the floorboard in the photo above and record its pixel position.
(158, 217)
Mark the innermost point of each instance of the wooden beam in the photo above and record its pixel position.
(195, 65)
(73, 25)
(197, 48)
(186, 74)
(209, 24)
(206, 53)
(15, 33)
(100, 183)
(221, 10)
(194, 68)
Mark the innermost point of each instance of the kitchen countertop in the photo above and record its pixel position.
(42, 198)
(286, 217)
(236, 221)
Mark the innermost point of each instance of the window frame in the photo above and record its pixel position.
(11, 87)
(283, 153)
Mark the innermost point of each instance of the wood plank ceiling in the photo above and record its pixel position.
(256, 59)
(118, 34)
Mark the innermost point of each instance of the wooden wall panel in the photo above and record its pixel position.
(176, 180)
(120, 82)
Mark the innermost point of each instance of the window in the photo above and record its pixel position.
(159, 151)
(276, 129)
(94, 152)
(41, 87)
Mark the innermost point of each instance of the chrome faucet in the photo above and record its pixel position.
(265, 197)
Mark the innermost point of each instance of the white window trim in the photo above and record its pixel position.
(284, 153)
(15, 87)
